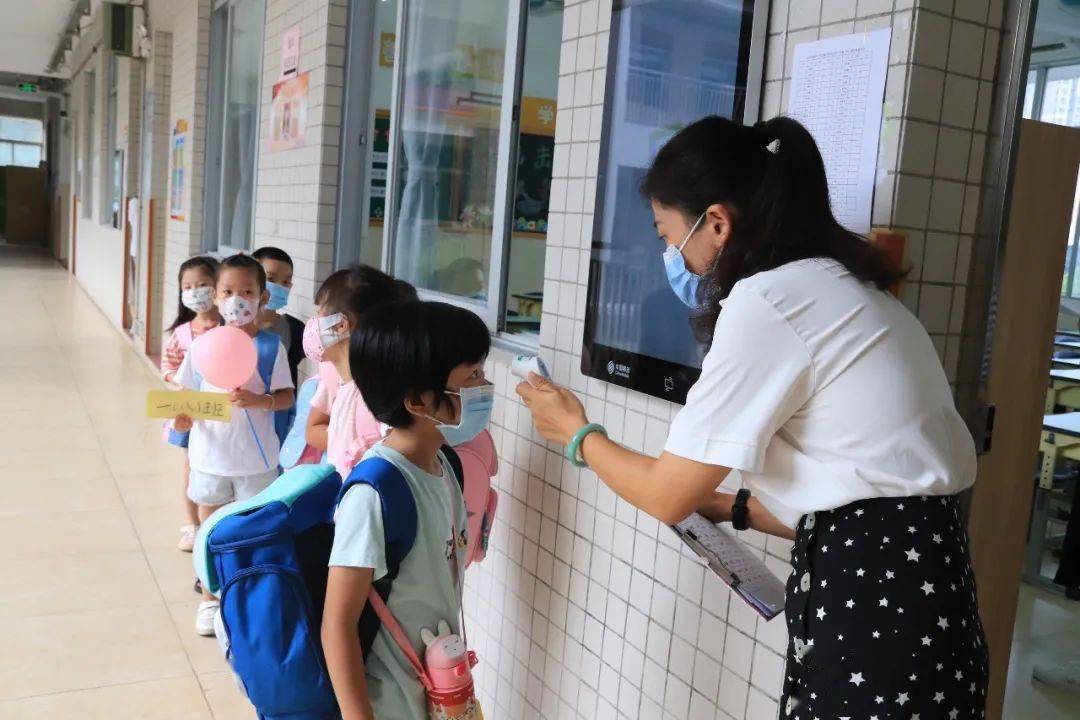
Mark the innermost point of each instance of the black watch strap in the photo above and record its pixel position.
(739, 510)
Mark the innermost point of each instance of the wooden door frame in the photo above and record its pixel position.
(1028, 292)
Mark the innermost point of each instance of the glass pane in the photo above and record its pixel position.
(240, 130)
(6, 153)
(24, 129)
(27, 155)
(1029, 94)
(453, 84)
(672, 62)
(532, 186)
(1059, 104)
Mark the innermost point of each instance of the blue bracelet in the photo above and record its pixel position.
(573, 448)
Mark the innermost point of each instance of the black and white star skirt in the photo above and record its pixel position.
(883, 620)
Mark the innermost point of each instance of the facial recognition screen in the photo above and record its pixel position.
(670, 62)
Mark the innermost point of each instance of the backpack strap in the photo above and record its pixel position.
(266, 343)
(399, 527)
(455, 464)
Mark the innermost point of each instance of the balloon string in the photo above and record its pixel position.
(257, 440)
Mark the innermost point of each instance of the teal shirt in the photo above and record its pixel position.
(426, 589)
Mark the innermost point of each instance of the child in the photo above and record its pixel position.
(195, 314)
(279, 280)
(227, 462)
(419, 367)
(342, 299)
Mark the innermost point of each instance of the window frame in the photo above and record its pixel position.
(217, 91)
(491, 310)
(87, 151)
(108, 178)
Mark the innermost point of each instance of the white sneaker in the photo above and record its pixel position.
(187, 537)
(204, 617)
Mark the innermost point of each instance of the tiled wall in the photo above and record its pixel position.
(159, 69)
(190, 25)
(587, 608)
(296, 192)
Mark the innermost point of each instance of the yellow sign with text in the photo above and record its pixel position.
(197, 405)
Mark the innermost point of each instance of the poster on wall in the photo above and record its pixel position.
(380, 153)
(290, 53)
(837, 91)
(386, 50)
(178, 175)
(288, 113)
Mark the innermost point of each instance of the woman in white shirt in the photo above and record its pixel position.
(828, 397)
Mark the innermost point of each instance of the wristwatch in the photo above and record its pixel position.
(739, 510)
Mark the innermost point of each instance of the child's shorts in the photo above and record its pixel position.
(207, 489)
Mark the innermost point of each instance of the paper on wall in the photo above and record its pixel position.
(837, 92)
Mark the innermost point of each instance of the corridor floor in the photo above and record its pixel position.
(97, 607)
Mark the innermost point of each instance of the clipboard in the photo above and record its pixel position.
(741, 570)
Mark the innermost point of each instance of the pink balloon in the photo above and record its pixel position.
(225, 356)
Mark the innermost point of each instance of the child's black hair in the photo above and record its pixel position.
(200, 262)
(272, 253)
(357, 289)
(404, 349)
(241, 261)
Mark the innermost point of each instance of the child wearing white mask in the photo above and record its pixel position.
(195, 314)
(236, 460)
(340, 422)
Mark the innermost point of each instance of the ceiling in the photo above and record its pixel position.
(29, 33)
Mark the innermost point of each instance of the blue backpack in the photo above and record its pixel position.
(266, 560)
(266, 345)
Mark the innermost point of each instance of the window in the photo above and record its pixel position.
(21, 141)
(473, 143)
(236, 50)
(365, 133)
(87, 155)
(1061, 96)
(113, 185)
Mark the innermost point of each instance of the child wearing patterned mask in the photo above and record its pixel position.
(237, 459)
(195, 314)
(339, 422)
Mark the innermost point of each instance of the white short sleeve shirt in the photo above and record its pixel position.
(230, 448)
(822, 390)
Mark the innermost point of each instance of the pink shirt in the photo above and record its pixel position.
(345, 446)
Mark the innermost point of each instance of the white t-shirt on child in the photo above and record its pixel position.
(426, 589)
(229, 448)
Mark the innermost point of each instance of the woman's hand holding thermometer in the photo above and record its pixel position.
(525, 364)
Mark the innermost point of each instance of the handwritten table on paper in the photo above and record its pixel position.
(837, 89)
(198, 405)
(743, 571)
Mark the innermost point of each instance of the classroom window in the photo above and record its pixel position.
(471, 159)
(236, 49)
(87, 154)
(113, 185)
(21, 141)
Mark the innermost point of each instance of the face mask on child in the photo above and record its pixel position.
(319, 334)
(279, 296)
(476, 406)
(197, 299)
(238, 311)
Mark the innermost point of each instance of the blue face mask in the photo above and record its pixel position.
(279, 296)
(476, 406)
(683, 282)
